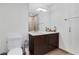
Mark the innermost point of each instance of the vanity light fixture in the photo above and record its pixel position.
(41, 9)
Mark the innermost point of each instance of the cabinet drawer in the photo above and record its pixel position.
(53, 38)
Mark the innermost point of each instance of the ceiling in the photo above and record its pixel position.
(34, 6)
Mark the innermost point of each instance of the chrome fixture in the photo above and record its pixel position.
(71, 18)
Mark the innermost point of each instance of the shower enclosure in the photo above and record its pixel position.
(73, 34)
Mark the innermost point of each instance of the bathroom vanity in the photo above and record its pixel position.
(42, 42)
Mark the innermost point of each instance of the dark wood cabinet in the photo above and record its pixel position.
(42, 44)
(53, 41)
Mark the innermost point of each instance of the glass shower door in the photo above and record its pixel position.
(75, 35)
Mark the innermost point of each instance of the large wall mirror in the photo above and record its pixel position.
(39, 16)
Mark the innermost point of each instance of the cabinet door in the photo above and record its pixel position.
(53, 41)
(31, 45)
(40, 45)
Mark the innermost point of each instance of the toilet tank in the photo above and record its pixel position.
(14, 41)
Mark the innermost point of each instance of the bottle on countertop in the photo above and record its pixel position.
(47, 29)
(54, 28)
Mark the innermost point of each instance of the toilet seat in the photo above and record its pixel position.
(16, 51)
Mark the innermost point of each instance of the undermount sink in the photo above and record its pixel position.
(35, 33)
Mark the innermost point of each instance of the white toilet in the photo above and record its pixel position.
(14, 44)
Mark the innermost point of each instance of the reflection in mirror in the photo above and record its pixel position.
(39, 16)
(33, 23)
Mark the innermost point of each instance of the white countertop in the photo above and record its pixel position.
(33, 33)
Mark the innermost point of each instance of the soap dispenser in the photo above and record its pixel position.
(54, 28)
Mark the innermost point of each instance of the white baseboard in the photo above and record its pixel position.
(69, 51)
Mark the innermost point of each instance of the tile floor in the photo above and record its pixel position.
(58, 52)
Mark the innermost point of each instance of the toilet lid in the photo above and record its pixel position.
(16, 51)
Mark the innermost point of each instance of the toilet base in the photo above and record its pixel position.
(16, 51)
(3, 54)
